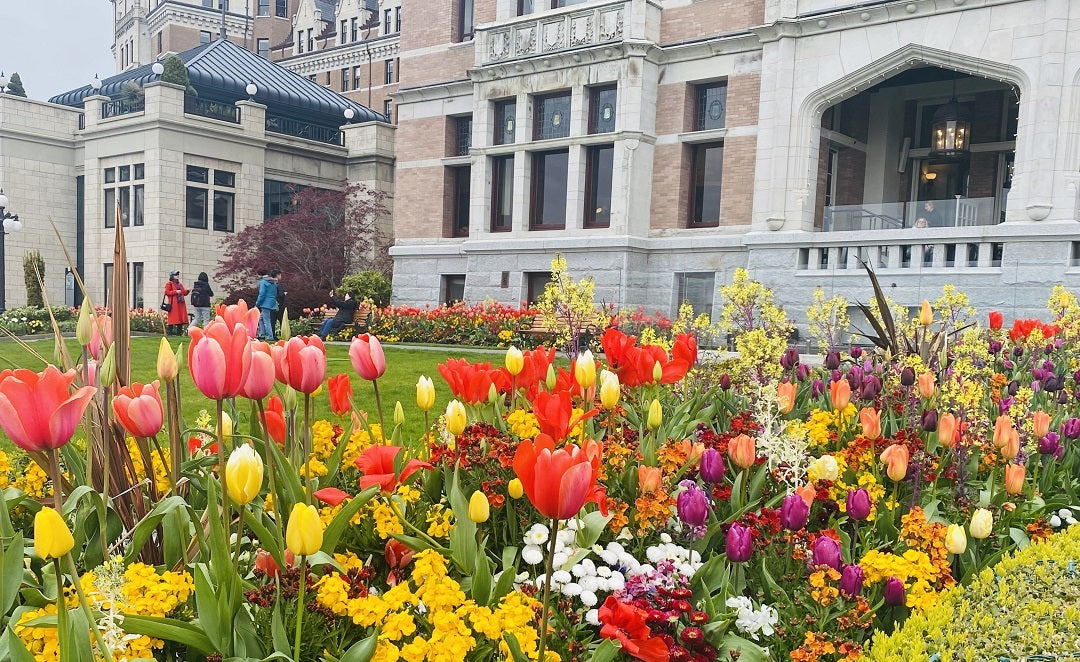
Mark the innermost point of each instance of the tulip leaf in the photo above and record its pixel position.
(607, 651)
(146, 527)
(268, 539)
(463, 535)
(176, 529)
(1020, 537)
(6, 529)
(206, 604)
(13, 649)
(277, 631)
(712, 575)
(591, 526)
(170, 629)
(415, 544)
(287, 479)
(748, 650)
(11, 573)
(363, 650)
(337, 527)
(515, 648)
(503, 586)
(334, 463)
(481, 580)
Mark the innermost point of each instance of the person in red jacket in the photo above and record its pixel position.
(174, 296)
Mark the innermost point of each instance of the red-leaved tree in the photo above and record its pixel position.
(327, 235)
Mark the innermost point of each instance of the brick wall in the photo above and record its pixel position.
(737, 200)
(743, 100)
(422, 215)
(670, 187)
(706, 17)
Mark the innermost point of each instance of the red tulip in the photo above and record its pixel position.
(219, 359)
(534, 369)
(472, 382)
(557, 482)
(626, 623)
(367, 357)
(376, 464)
(635, 365)
(261, 374)
(138, 408)
(38, 410)
(239, 313)
(553, 412)
(996, 320)
(331, 496)
(274, 419)
(340, 394)
(304, 363)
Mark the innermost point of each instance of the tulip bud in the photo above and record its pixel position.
(479, 508)
(802, 372)
(549, 379)
(649, 478)
(955, 539)
(1040, 424)
(585, 370)
(926, 314)
(610, 389)
(244, 474)
(226, 431)
(851, 581)
(456, 418)
(1002, 428)
(832, 360)
(1051, 445)
(1071, 428)
(871, 422)
(656, 414)
(286, 328)
(657, 372)
(514, 488)
(789, 359)
(52, 539)
(858, 504)
(1014, 478)
(107, 369)
(982, 524)
(742, 451)
(894, 592)
(692, 504)
(425, 393)
(493, 394)
(794, 512)
(738, 544)
(946, 430)
(304, 532)
(826, 551)
(840, 393)
(725, 381)
(399, 414)
(907, 377)
(824, 468)
(896, 457)
(712, 468)
(856, 351)
(515, 361)
(84, 328)
(929, 420)
(289, 398)
(926, 385)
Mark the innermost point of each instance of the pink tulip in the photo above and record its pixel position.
(219, 359)
(367, 357)
(240, 314)
(261, 375)
(138, 408)
(102, 336)
(37, 410)
(304, 364)
(277, 353)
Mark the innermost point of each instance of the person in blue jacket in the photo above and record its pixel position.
(267, 303)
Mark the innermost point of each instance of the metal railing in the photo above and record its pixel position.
(946, 213)
(215, 110)
(306, 130)
(118, 107)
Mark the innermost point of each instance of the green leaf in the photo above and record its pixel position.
(278, 633)
(748, 650)
(11, 573)
(503, 586)
(515, 648)
(1020, 537)
(170, 629)
(146, 527)
(481, 580)
(268, 538)
(287, 479)
(6, 529)
(590, 528)
(607, 651)
(334, 463)
(415, 544)
(363, 650)
(13, 649)
(340, 523)
(176, 535)
(206, 604)
(463, 536)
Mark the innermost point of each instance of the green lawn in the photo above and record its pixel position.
(403, 367)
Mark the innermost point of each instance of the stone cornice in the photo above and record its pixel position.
(188, 16)
(566, 60)
(337, 57)
(447, 90)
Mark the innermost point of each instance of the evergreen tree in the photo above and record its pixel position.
(33, 275)
(176, 73)
(15, 86)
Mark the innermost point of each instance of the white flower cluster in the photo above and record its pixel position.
(752, 621)
(1063, 517)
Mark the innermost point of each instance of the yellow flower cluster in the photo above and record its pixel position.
(523, 424)
(444, 629)
(913, 568)
(1064, 305)
(5, 470)
(322, 439)
(161, 473)
(360, 441)
(828, 319)
(386, 521)
(34, 481)
(440, 521)
(838, 492)
(328, 513)
(928, 537)
(819, 426)
(314, 467)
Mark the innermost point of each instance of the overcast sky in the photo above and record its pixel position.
(56, 45)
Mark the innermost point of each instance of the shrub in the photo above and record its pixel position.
(367, 285)
(34, 274)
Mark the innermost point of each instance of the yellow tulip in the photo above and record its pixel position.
(479, 508)
(399, 414)
(244, 474)
(824, 468)
(982, 524)
(226, 427)
(515, 361)
(515, 489)
(52, 539)
(304, 533)
(926, 314)
(167, 366)
(656, 414)
(456, 418)
(585, 370)
(955, 539)
(425, 393)
(610, 389)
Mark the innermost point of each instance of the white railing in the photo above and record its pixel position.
(950, 213)
(902, 254)
(552, 31)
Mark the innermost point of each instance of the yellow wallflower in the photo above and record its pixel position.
(523, 424)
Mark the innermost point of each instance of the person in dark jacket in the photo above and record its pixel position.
(201, 296)
(346, 311)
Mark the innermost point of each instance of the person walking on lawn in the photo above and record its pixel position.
(175, 292)
(201, 295)
(267, 303)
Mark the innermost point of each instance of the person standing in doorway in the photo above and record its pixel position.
(201, 295)
(267, 302)
(174, 296)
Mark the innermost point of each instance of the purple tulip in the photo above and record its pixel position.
(995, 346)
(1049, 349)
(907, 376)
(1063, 397)
(826, 551)
(871, 387)
(738, 544)
(794, 512)
(692, 504)
(1007, 364)
(1053, 383)
(894, 592)
(790, 359)
(851, 581)
(858, 504)
(929, 420)
(725, 382)
(856, 351)
(832, 360)
(1076, 376)
(1013, 387)
(1040, 374)
(817, 387)
(1071, 428)
(802, 372)
(1018, 351)
(712, 466)
(1051, 445)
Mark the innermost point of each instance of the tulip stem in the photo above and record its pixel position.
(548, 563)
(270, 467)
(378, 405)
(221, 468)
(54, 469)
(300, 608)
(102, 647)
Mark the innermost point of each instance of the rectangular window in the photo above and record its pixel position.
(354, 29)
(223, 211)
(552, 116)
(343, 33)
(198, 174)
(224, 4)
(389, 72)
(279, 198)
(706, 177)
(264, 7)
(137, 300)
(196, 208)
(125, 205)
(711, 106)
(310, 40)
(386, 21)
(549, 182)
(108, 283)
(159, 45)
(505, 122)
(502, 193)
(602, 105)
(356, 78)
(110, 208)
(110, 175)
(397, 19)
(465, 21)
(205, 37)
(599, 165)
(997, 251)
(462, 181)
(697, 290)
(388, 110)
(535, 284)
(281, 9)
(300, 41)
(139, 171)
(208, 3)
(224, 178)
(140, 205)
(973, 255)
(453, 287)
(125, 173)
(345, 79)
(462, 135)
(831, 167)
(263, 46)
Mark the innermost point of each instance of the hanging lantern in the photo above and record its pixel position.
(951, 131)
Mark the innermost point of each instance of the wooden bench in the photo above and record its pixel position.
(541, 327)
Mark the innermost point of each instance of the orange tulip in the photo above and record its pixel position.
(1014, 478)
(138, 408)
(557, 482)
(261, 374)
(926, 385)
(808, 493)
(1012, 445)
(649, 478)
(340, 394)
(895, 457)
(785, 396)
(1040, 424)
(946, 430)
(304, 363)
(742, 451)
(219, 359)
(1003, 427)
(840, 391)
(38, 410)
(871, 422)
